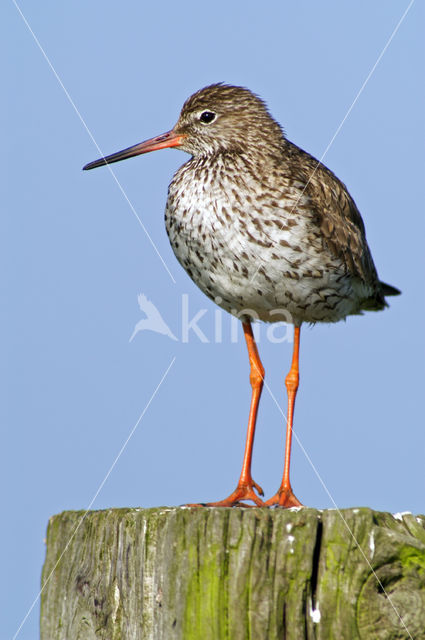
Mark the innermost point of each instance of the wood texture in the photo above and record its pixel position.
(234, 574)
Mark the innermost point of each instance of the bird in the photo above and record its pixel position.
(264, 229)
(153, 321)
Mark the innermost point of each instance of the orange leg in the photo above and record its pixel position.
(285, 496)
(246, 485)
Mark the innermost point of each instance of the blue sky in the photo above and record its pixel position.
(74, 258)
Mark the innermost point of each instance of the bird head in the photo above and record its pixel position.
(223, 117)
(218, 118)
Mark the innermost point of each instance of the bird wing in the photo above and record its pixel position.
(338, 219)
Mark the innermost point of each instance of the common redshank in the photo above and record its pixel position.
(262, 227)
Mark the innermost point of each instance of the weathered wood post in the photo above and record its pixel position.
(233, 574)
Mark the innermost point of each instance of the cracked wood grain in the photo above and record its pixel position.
(234, 574)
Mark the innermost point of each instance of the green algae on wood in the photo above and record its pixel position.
(233, 574)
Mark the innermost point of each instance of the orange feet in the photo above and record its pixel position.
(244, 491)
(284, 498)
(246, 486)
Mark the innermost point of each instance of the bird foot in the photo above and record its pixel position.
(284, 498)
(243, 491)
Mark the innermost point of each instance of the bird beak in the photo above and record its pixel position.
(169, 139)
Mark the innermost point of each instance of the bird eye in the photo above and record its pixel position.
(207, 116)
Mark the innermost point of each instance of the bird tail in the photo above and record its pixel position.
(377, 302)
(388, 290)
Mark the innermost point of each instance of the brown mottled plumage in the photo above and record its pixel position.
(266, 231)
(274, 184)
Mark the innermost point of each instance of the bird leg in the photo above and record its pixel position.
(285, 496)
(246, 485)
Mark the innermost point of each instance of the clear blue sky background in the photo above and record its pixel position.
(74, 257)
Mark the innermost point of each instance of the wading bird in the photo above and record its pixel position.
(260, 225)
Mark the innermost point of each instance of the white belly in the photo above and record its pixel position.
(255, 259)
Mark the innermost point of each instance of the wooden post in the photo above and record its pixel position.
(233, 574)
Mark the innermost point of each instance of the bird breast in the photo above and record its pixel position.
(250, 243)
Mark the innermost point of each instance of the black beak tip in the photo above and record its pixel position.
(92, 165)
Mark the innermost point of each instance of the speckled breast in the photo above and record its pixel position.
(253, 247)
